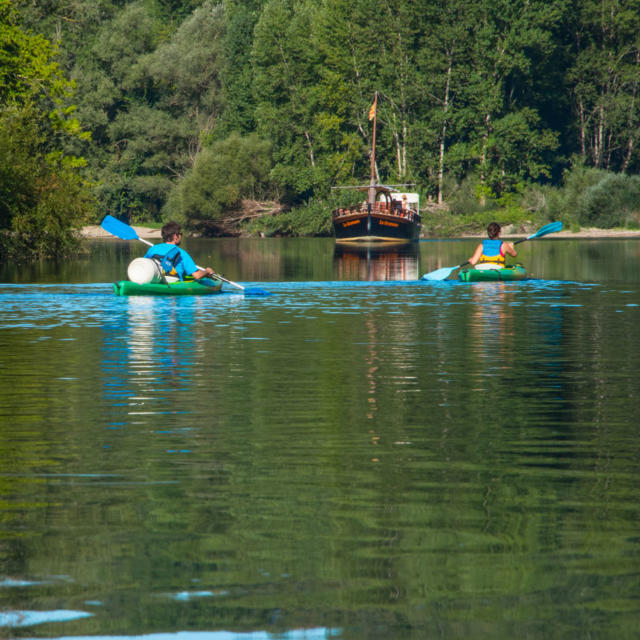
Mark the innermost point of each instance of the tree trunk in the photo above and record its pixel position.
(583, 133)
(311, 157)
(443, 135)
(631, 119)
(598, 146)
(483, 158)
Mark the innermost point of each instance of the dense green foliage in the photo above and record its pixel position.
(221, 175)
(42, 195)
(484, 104)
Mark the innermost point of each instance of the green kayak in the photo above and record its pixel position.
(513, 272)
(187, 288)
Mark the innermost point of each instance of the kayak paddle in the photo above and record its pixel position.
(552, 227)
(125, 232)
(445, 272)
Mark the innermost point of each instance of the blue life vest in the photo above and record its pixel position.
(491, 251)
(169, 261)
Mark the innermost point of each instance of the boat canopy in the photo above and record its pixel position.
(386, 193)
(411, 198)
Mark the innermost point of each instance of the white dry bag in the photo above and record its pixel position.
(144, 271)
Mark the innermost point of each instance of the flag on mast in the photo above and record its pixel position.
(372, 111)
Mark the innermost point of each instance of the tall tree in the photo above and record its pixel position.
(186, 74)
(285, 84)
(443, 60)
(605, 80)
(366, 48)
(506, 38)
(236, 73)
(42, 195)
(151, 95)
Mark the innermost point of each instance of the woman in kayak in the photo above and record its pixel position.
(492, 250)
(174, 260)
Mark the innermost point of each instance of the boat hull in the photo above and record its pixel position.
(511, 273)
(375, 227)
(188, 288)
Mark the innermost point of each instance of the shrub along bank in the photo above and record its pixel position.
(588, 198)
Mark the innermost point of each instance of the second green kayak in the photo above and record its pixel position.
(513, 272)
(188, 288)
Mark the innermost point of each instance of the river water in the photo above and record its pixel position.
(360, 455)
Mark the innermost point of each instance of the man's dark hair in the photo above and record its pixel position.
(169, 230)
(493, 230)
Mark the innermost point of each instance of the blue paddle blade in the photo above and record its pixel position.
(552, 227)
(118, 229)
(255, 291)
(248, 292)
(444, 273)
(439, 274)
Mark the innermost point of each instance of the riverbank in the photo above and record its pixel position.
(586, 232)
(599, 233)
(95, 231)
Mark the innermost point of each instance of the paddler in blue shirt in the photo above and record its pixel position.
(174, 260)
(491, 251)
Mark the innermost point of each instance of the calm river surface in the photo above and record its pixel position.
(358, 456)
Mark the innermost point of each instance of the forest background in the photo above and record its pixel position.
(239, 116)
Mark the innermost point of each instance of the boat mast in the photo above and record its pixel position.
(373, 114)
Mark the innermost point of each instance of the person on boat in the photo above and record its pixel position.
(174, 260)
(492, 250)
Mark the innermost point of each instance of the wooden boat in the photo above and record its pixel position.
(386, 215)
(205, 287)
(512, 272)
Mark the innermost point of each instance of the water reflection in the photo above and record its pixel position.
(29, 618)
(295, 634)
(161, 341)
(149, 355)
(372, 366)
(373, 262)
(393, 460)
(491, 325)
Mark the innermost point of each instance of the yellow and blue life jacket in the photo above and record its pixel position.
(492, 252)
